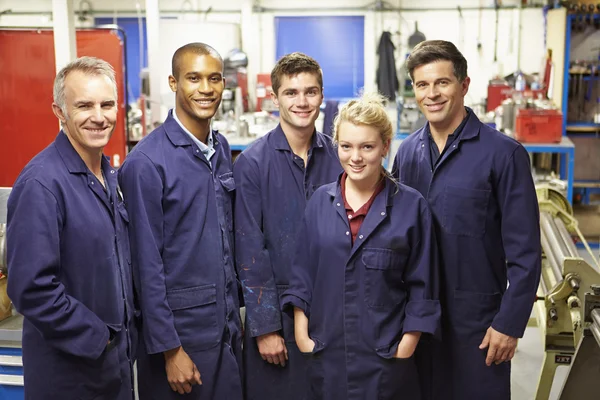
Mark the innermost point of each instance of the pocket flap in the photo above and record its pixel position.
(466, 192)
(227, 181)
(382, 258)
(492, 299)
(192, 297)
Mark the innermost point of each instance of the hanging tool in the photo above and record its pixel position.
(589, 84)
(461, 28)
(497, 7)
(416, 38)
(580, 95)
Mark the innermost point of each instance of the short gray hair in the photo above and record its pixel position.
(87, 65)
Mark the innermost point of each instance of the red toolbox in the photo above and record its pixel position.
(538, 126)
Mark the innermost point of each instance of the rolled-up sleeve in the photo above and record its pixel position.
(423, 311)
(253, 261)
(303, 271)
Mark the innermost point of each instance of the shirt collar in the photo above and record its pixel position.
(204, 148)
(468, 128)
(365, 207)
(280, 142)
(69, 155)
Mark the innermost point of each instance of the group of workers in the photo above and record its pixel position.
(357, 283)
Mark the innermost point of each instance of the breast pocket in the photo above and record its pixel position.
(465, 211)
(195, 313)
(228, 184)
(383, 277)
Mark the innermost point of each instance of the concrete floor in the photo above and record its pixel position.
(528, 359)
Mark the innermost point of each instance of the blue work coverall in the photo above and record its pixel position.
(69, 275)
(273, 187)
(361, 298)
(180, 207)
(486, 219)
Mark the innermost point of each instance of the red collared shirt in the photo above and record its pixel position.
(356, 218)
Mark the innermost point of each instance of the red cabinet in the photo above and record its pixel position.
(27, 68)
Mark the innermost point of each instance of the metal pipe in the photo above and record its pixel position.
(390, 9)
(556, 233)
(120, 12)
(566, 237)
(554, 268)
(259, 9)
(556, 245)
(544, 287)
(596, 331)
(595, 327)
(596, 316)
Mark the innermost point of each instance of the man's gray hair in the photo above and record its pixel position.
(87, 65)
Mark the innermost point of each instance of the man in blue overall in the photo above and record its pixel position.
(178, 186)
(275, 177)
(479, 185)
(68, 250)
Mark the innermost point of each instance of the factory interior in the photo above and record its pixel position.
(535, 76)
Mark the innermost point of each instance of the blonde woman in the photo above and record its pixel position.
(363, 285)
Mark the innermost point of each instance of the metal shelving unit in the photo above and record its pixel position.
(573, 46)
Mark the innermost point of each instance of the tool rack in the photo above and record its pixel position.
(574, 37)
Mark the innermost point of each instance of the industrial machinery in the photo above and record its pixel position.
(568, 302)
(11, 363)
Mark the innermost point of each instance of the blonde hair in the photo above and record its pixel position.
(369, 110)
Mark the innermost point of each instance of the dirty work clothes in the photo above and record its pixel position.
(70, 277)
(273, 186)
(180, 206)
(361, 298)
(487, 224)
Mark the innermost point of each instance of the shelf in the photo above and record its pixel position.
(565, 146)
(583, 127)
(586, 74)
(567, 168)
(586, 184)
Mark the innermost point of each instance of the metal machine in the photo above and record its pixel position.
(11, 363)
(568, 303)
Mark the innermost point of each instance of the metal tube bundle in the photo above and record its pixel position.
(556, 248)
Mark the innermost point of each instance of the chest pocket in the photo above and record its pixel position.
(228, 185)
(465, 211)
(384, 269)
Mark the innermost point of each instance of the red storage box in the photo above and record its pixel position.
(538, 126)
